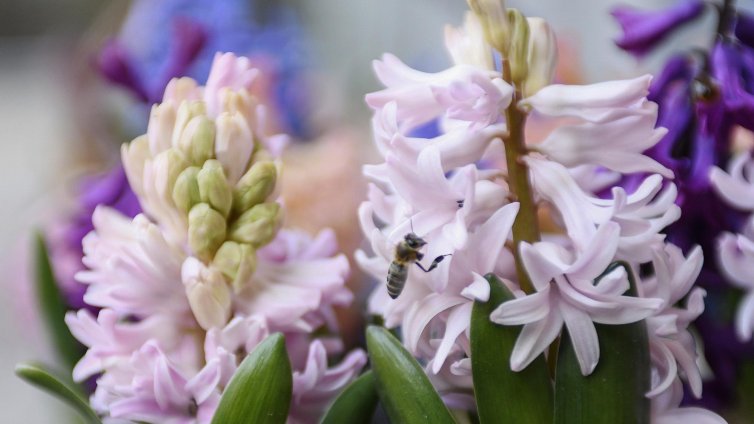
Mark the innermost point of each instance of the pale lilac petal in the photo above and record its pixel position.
(534, 339)
(489, 238)
(592, 102)
(737, 192)
(479, 289)
(524, 310)
(458, 322)
(421, 314)
(583, 337)
(540, 270)
(745, 317)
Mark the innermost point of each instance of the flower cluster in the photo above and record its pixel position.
(190, 286)
(476, 190)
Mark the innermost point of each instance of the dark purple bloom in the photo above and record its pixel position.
(644, 30)
(733, 67)
(745, 29)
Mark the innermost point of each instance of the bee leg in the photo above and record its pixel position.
(434, 263)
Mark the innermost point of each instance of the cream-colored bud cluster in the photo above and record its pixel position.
(227, 221)
(528, 44)
(212, 175)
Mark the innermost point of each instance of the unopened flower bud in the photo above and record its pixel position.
(258, 225)
(237, 261)
(202, 145)
(167, 166)
(207, 228)
(208, 295)
(180, 89)
(186, 189)
(518, 55)
(234, 144)
(160, 127)
(543, 56)
(491, 14)
(254, 187)
(134, 155)
(187, 111)
(214, 188)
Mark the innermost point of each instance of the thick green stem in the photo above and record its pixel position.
(526, 226)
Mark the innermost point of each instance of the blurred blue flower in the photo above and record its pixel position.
(163, 39)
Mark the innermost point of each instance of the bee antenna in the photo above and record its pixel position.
(411, 221)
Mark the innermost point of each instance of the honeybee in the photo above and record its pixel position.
(407, 251)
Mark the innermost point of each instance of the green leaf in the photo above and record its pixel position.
(53, 307)
(356, 403)
(404, 390)
(502, 395)
(67, 391)
(260, 390)
(614, 392)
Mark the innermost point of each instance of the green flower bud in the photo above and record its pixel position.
(208, 295)
(187, 110)
(254, 187)
(167, 166)
(237, 262)
(491, 14)
(214, 188)
(518, 54)
(202, 147)
(207, 228)
(258, 225)
(543, 56)
(186, 189)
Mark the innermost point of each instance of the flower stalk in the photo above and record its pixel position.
(526, 226)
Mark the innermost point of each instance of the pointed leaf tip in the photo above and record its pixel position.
(39, 376)
(260, 390)
(52, 305)
(356, 403)
(404, 389)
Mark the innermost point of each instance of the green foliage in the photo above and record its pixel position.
(356, 403)
(59, 387)
(260, 390)
(53, 306)
(614, 392)
(502, 395)
(404, 389)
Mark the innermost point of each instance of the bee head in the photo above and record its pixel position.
(413, 241)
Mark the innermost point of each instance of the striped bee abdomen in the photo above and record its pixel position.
(396, 278)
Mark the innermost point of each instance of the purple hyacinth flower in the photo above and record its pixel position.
(644, 30)
(733, 67)
(671, 90)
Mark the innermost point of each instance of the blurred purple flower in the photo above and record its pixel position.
(161, 40)
(745, 28)
(644, 30)
(111, 189)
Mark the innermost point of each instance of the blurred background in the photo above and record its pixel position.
(59, 116)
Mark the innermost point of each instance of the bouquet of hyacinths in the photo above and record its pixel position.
(205, 308)
(542, 298)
